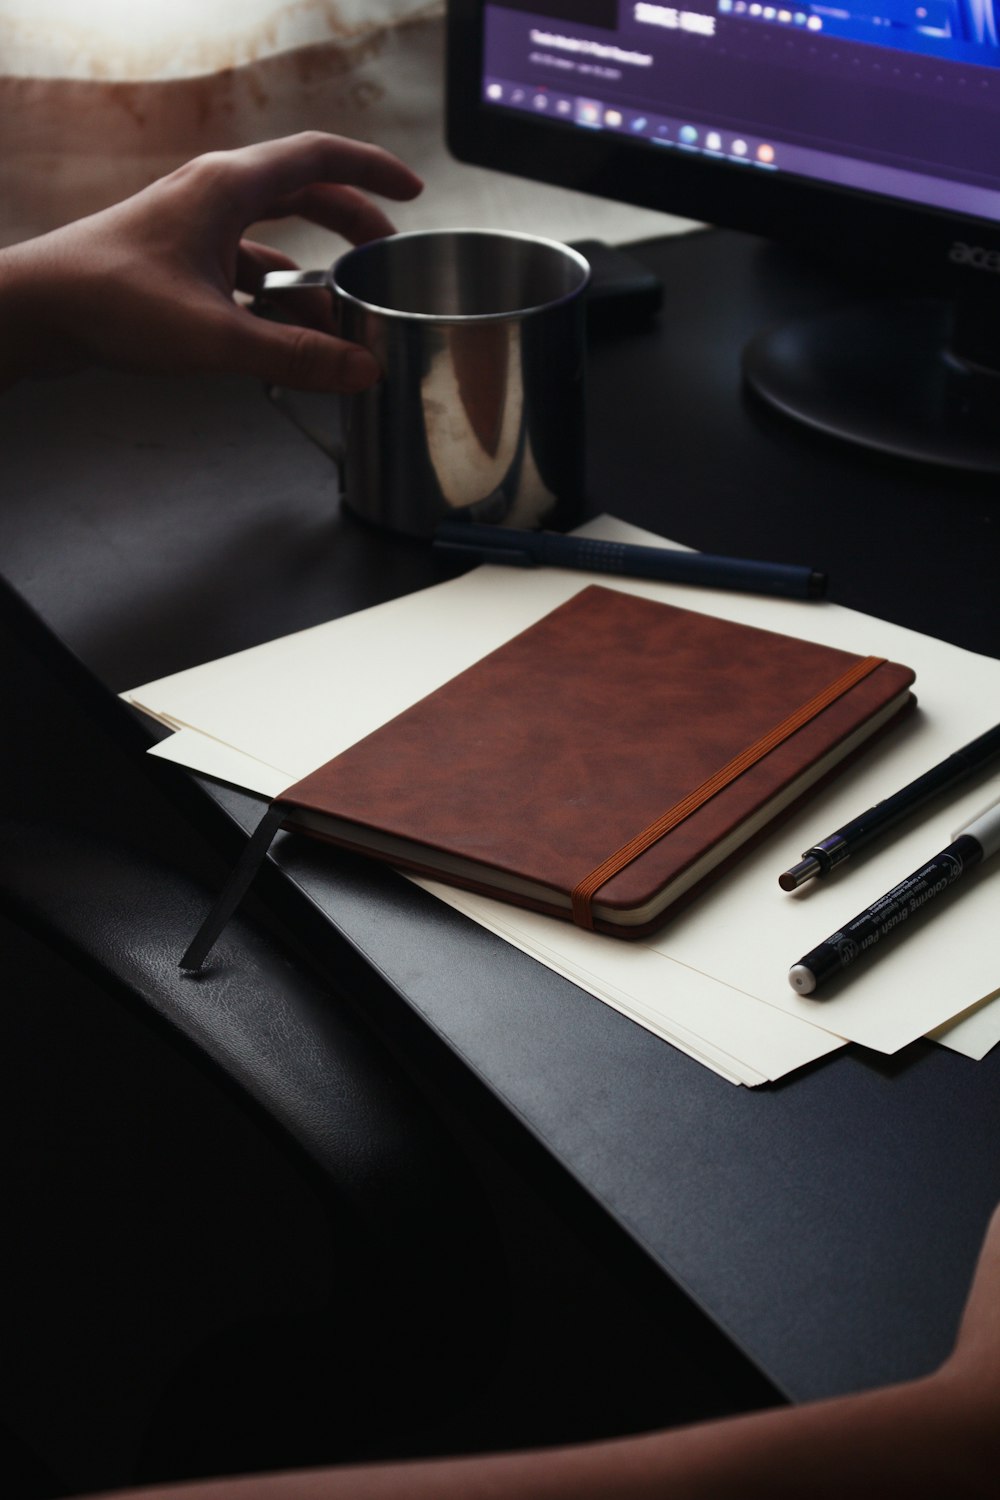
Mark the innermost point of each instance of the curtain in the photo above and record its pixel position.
(157, 39)
(100, 97)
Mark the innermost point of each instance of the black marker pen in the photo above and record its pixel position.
(971, 844)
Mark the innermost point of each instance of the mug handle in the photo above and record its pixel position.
(309, 410)
(294, 281)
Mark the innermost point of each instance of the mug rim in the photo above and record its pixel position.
(567, 251)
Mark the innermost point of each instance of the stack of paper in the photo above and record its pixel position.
(713, 981)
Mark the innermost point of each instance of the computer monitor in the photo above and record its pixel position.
(868, 129)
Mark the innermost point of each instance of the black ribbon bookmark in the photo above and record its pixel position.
(234, 890)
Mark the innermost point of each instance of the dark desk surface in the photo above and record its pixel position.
(827, 1223)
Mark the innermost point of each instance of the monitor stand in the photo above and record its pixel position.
(919, 379)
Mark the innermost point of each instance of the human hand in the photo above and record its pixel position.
(970, 1377)
(148, 284)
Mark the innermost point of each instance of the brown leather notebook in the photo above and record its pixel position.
(597, 767)
(601, 763)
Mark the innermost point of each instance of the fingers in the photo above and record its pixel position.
(311, 307)
(253, 261)
(300, 358)
(259, 176)
(345, 210)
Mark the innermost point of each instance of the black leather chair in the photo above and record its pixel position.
(243, 1239)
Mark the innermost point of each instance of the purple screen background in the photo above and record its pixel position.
(891, 104)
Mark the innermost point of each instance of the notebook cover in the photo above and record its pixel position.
(554, 750)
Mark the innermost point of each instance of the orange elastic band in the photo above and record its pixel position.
(585, 889)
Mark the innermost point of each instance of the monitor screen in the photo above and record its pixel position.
(865, 127)
(896, 97)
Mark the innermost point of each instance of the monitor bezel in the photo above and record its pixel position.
(912, 244)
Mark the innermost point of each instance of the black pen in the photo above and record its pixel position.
(972, 843)
(530, 549)
(821, 858)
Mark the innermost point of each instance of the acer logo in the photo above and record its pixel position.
(976, 256)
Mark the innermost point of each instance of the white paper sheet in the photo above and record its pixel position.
(746, 1037)
(975, 1031)
(739, 940)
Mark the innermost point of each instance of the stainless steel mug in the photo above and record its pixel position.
(480, 412)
